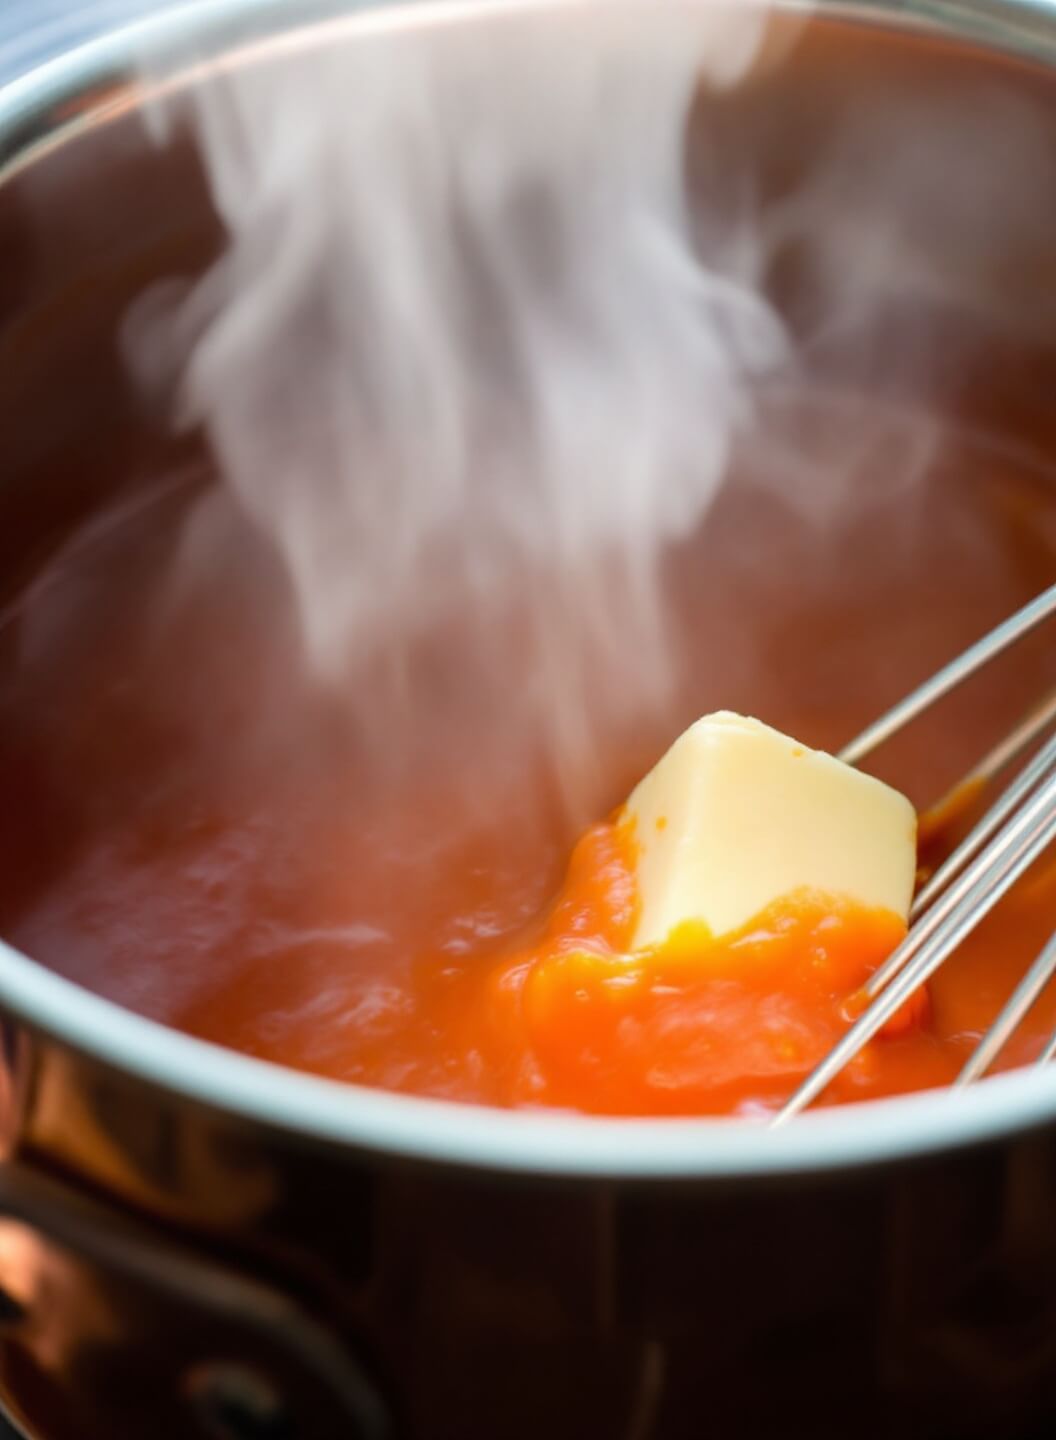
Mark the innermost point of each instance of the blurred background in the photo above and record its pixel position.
(33, 30)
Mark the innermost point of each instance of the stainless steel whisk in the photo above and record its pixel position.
(1011, 834)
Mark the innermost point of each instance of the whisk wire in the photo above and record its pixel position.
(976, 892)
(987, 827)
(969, 873)
(1004, 843)
(951, 675)
(1019, 1002)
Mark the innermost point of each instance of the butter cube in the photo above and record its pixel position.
(737, 815)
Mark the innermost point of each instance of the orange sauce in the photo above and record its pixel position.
(555, 1012)
(697, 1025)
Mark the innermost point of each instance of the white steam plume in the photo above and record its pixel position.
(461, 360)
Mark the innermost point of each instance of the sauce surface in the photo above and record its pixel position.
(559, 1015)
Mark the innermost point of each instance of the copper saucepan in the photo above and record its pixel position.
(197, 1243)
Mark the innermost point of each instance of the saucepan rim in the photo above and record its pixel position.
(86, 86)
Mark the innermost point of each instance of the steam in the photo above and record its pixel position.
(463, 363)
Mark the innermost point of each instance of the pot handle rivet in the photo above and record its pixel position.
(12, 1311)
(232, 1402)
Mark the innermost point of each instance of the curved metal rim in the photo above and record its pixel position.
(536, 1142)
(439, 1131)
